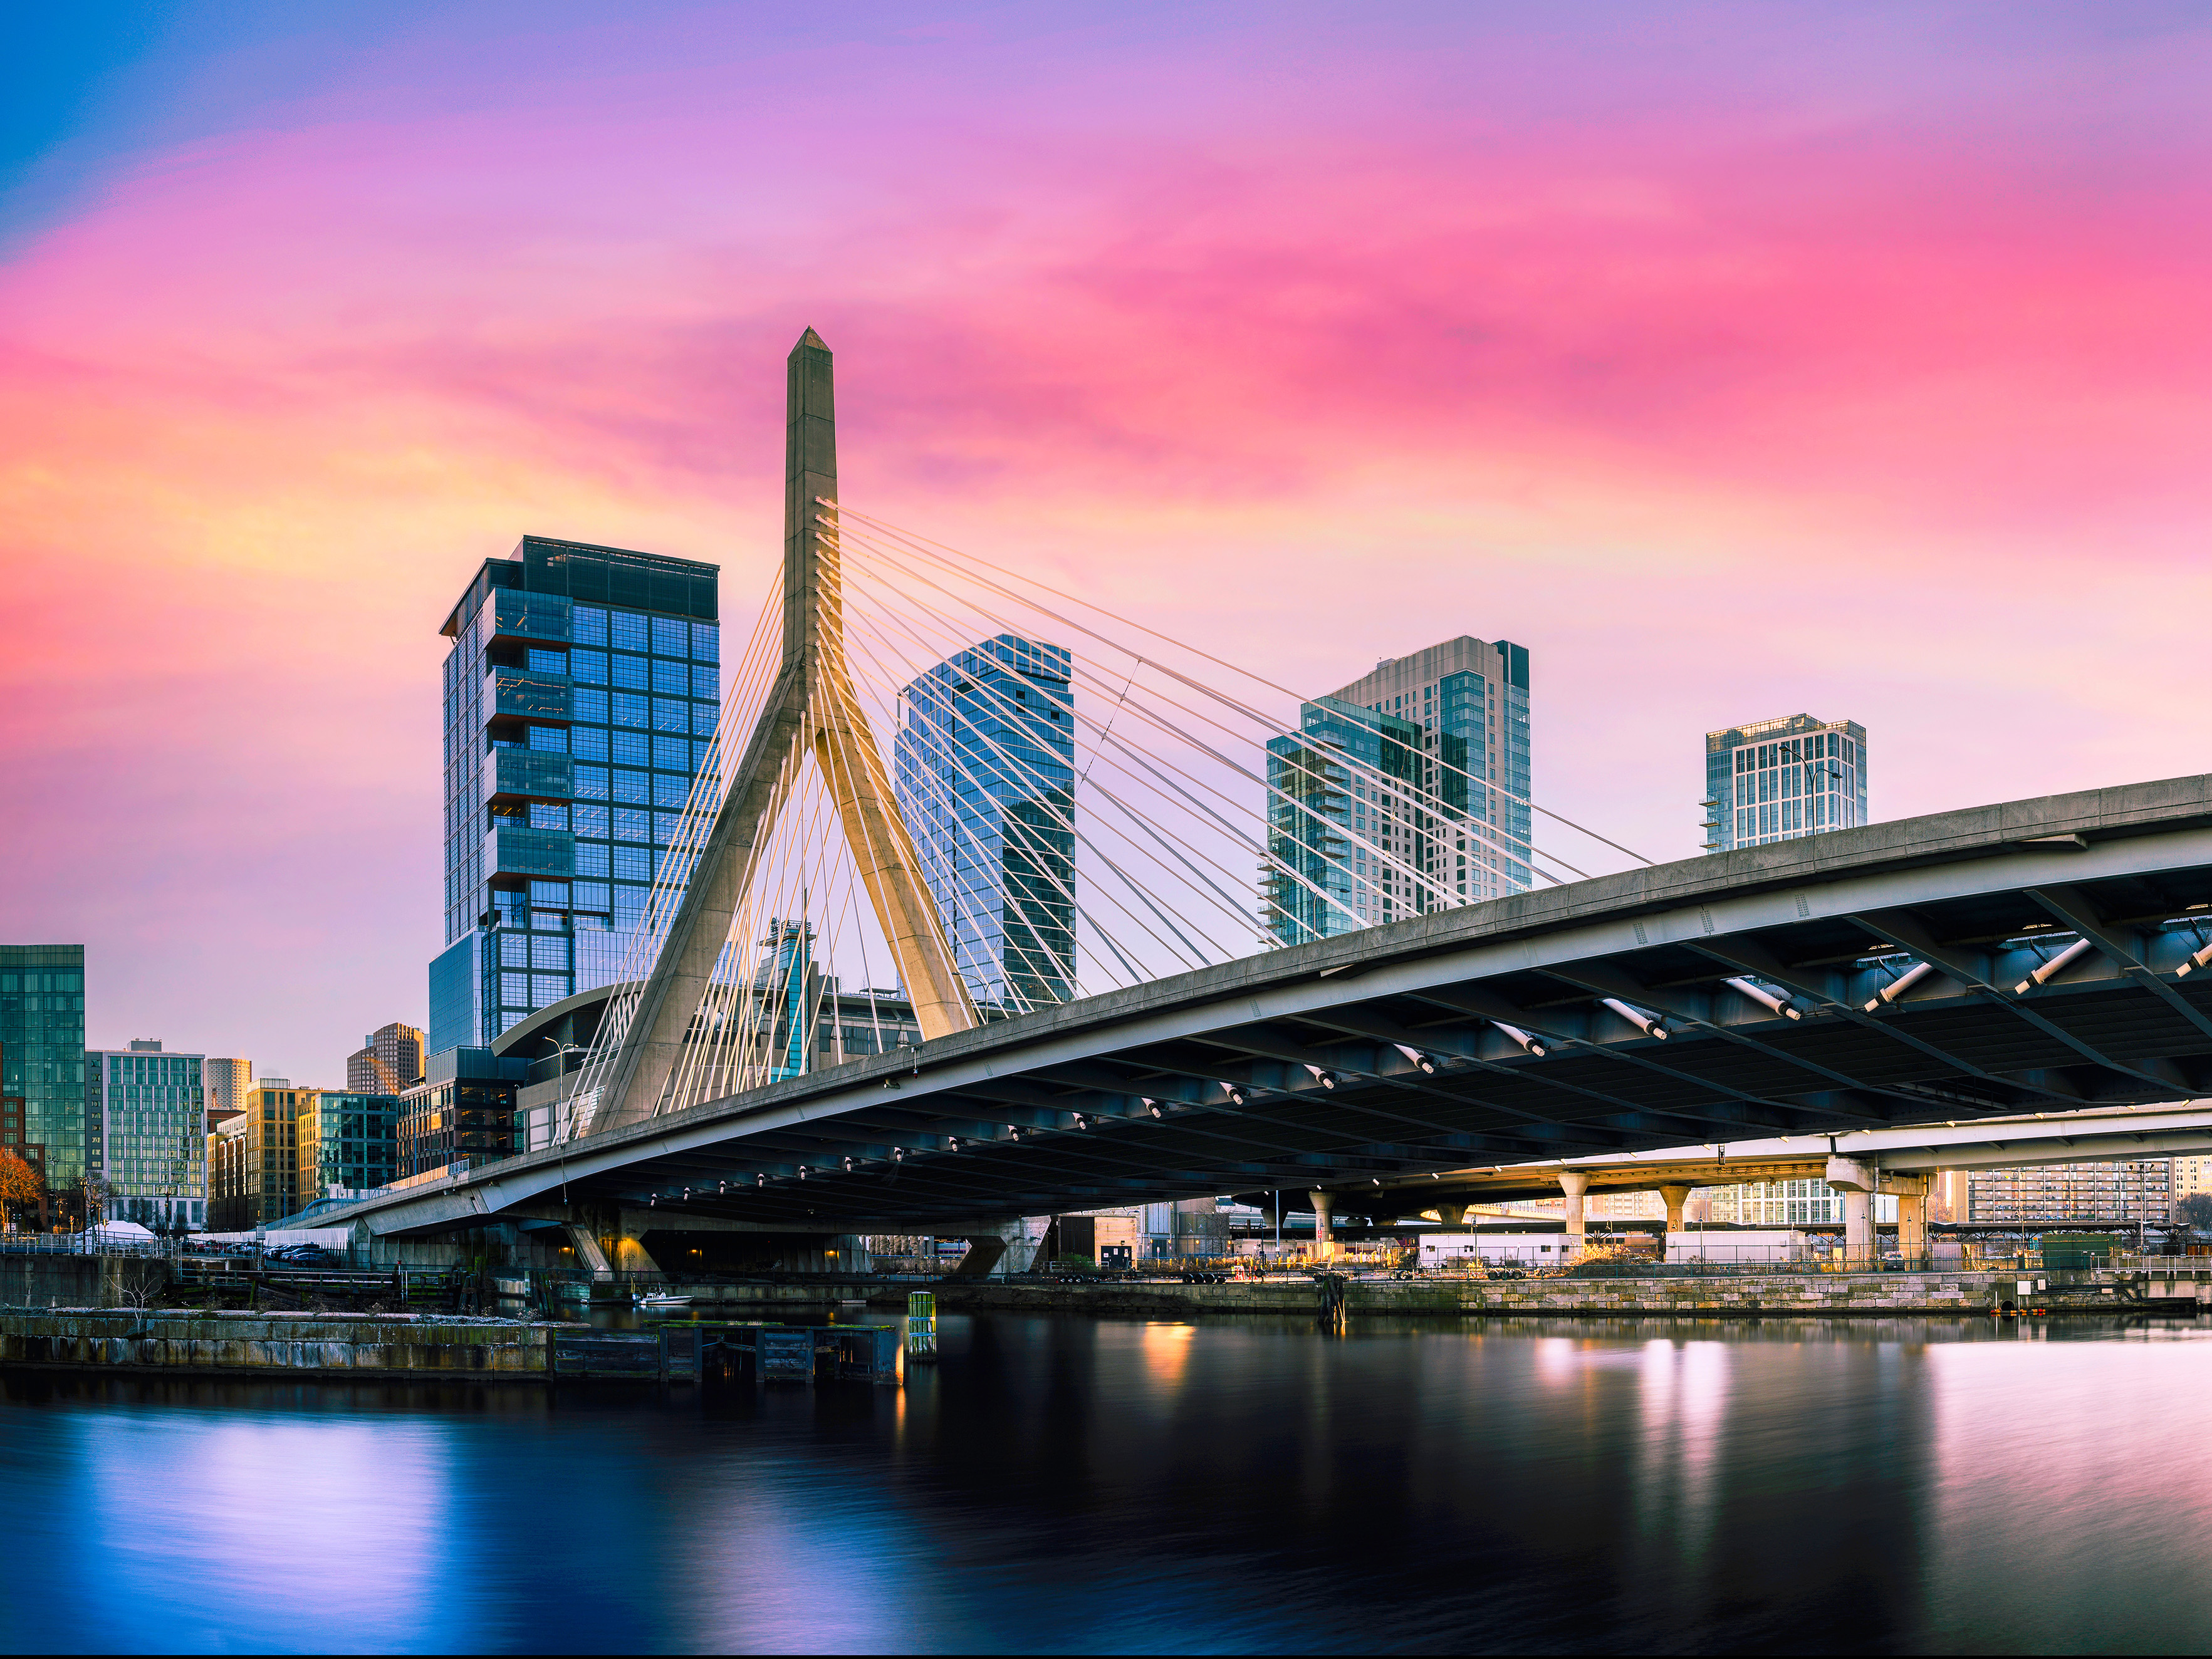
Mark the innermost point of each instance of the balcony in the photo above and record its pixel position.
(513, 851)
(529, 774)
(525, 694)
(511, 614)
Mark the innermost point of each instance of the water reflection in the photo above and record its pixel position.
(1078, 1484)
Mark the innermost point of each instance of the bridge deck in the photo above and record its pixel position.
(1383, 1053)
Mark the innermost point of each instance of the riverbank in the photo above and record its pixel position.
(1820, 1295)
(1747, 1296)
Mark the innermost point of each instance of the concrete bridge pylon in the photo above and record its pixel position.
(812, 711)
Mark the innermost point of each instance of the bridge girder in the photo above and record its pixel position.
(1135, 1094)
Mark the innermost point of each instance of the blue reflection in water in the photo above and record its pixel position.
(1068, 1484)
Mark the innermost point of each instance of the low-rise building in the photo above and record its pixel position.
(346, 1144)
(226, 1168)
(253, 1158)
(463, 1111)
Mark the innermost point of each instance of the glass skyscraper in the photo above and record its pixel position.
(1777, 779)
(42, 1053)
(580, 691)
(1404, 792)
(985, 758)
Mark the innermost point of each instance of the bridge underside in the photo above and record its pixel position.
(1398, 1051)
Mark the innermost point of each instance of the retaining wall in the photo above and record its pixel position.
(80, 1281)
(262, 1344)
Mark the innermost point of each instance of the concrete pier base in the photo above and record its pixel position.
(1575, 1187)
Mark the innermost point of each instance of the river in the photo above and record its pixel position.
(1068, 1484)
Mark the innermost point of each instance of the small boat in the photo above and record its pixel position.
(659, 1300)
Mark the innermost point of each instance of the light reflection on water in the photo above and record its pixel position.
(1070, 1483)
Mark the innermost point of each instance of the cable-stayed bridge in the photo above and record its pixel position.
(909, 809)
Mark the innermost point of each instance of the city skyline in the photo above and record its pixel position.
(260, 386)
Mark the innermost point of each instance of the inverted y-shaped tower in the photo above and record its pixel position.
(812, 707)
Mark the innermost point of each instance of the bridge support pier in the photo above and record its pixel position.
(1675, 1197)
(1452, 1215)
(589, 1255)
(1911, 1217)
(1324, 1239)
(1856, 1181)
(1575, 1185)
(631, 1257)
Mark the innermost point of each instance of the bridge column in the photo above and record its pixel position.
(1856, 1181)
(589, 1256)
(1452, 1215)
(1575, 1183)
(630, 1254)
(1911, 1217)
(1675, 1196)
(1324, 1241)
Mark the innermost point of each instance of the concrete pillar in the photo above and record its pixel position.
(589, 1256)
(1858, 1229)
(1452, 1215)
(1575, 1185)
(984, 1253)
(1323, 1239)
(1913, 1193)
(1676, 1197)
(631, 1257)
(1856, 1181)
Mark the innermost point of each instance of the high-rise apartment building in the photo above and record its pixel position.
(985, 758)
(390, 1059)
(148, 1109)
(580, 691)
(2123, 1193)
(1773, 780)
(42, 1054)
(1403, 792)
(225, 1083)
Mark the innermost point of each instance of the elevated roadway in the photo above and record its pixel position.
(2033, 956)
(1898, 1161)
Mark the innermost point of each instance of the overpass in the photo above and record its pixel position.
(1857, 1163)
(2033, 956)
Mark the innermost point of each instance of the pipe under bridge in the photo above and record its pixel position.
(2034, 956)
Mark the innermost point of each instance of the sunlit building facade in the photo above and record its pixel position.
(581, 689)
(1776, 779)
(226, 1082)
(345, 1144)
(461, 1113)
(390, 1059)
(985, 764)
(1402, 793)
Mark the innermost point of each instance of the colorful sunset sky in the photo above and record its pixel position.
(1737, 359)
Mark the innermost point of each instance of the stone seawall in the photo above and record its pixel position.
(1828, 1295)
(264, 1345)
